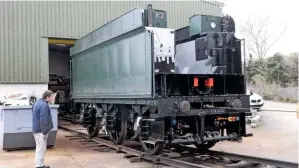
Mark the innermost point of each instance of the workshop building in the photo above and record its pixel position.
(36, 36)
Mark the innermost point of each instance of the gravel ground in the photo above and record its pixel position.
(68, 154)
(276, 137)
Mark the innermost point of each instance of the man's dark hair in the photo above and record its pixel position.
(47, 94)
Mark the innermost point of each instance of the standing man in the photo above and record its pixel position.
(41, 126)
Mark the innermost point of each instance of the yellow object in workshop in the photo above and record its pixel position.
(61, 41)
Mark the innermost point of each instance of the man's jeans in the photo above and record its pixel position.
(41, 146)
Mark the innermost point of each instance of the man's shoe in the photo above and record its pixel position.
(44, 167)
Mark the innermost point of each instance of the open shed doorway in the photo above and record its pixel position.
(59, 73)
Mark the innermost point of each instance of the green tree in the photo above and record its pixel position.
(257, 68)
(291, 63)
(276, 69)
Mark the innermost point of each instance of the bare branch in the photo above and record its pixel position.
(259, 36)
(285, 28)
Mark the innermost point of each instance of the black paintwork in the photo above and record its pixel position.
(170, 89)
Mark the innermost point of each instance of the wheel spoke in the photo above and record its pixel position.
(94, 125)
(119, 130)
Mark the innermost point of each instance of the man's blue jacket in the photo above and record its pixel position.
(41, 117)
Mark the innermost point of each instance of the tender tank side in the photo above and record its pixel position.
(114, 61)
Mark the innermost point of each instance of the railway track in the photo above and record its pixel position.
(210, 159)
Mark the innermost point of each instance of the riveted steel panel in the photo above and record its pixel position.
(120, 68)
(129, 21)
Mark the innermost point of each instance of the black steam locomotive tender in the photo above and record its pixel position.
(197, 90)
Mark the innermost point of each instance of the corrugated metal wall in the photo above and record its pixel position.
(23, 24)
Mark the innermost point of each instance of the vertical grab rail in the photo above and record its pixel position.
(244, 65)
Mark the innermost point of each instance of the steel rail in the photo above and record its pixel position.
(66, 119)
(254, 159)
(179, 163)
(142, 155)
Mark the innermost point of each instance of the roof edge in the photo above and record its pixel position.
(220, 4)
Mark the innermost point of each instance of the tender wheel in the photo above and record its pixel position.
(118, 132)
(94, 128)
(94, 125)
(152, 149)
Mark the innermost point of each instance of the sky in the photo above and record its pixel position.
(281, 13)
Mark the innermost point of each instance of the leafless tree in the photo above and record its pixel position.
(257, 34)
